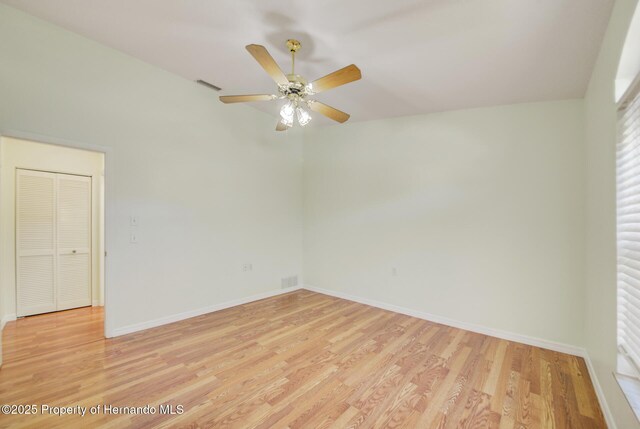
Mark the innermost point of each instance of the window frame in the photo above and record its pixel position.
(626, 365)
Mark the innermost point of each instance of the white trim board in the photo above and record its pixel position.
(129, 329)
(563, 348)
(5, 319)
(608, 415)
(505, 335)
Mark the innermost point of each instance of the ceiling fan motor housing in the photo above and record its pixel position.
(297, 86)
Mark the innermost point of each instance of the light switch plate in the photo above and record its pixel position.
(133, 220)
(133, 238)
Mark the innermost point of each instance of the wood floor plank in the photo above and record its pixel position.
(299, 360)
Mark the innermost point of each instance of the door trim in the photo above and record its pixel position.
(108, 209)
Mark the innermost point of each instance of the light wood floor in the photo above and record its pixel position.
(47, 333)
(301, 360)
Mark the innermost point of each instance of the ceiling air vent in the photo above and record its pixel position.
(208, 85)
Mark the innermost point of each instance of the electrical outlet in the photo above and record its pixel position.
(247, 267)
(133, 238)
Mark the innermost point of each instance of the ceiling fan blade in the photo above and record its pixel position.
(245, 98)
(328, 111)
(337, 78)
(281, 126)
(267, 62)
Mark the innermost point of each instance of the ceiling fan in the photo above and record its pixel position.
(295, 88)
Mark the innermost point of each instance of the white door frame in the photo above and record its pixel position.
(108, 209)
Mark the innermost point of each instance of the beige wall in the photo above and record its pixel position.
(485, 204)
(196, 172)
(14, 154)
(480, 213)
(600, 119)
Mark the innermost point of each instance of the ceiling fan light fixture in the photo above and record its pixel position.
(303, 116)
(295, 89)
(286, 113)
(288, 122)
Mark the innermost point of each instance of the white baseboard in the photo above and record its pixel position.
(5, 319)
(197, 312)
(505, 335)
(608, 416)
(524, 339)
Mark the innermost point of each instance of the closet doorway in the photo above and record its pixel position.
(52, 251)
(53, 241)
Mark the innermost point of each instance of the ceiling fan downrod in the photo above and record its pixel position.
(293, 46)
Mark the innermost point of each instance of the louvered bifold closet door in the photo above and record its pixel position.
(35, 242)
(74, 241)
(628, 197)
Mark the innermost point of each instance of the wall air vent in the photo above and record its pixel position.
(208, 85)
(289, 282)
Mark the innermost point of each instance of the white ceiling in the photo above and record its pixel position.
(416, 56)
